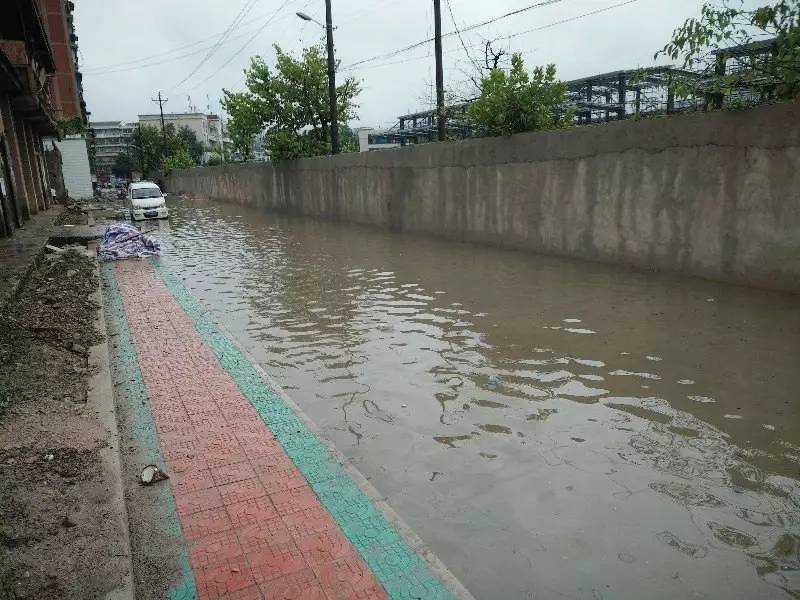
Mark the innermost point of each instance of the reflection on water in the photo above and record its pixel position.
(551, 428)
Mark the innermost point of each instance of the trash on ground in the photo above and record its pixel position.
(125, 241)
(52, 248)
(494, 381)
(151, 474)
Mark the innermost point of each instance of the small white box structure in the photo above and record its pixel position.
(75, 166)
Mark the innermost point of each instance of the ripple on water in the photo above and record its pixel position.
(685, 494)
(701, 399)
(673, 541)
(355, 318)
(624, 373)
(491, 428)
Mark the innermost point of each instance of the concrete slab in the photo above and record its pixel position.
(76, 234)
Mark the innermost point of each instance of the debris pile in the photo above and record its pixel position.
(72, 214)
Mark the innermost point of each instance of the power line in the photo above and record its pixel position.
(160, 55)
(247, 43)
(149, 57)
(146, 65)
(451, 33)
(246, 7)
(505, 37)
(461, 39)
(570, 19)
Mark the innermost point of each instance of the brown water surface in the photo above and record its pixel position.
(551, 428)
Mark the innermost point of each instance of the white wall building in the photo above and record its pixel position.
(207, 128)
(370, 139)
(110, 139)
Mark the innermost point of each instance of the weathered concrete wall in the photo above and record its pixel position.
(715, 195)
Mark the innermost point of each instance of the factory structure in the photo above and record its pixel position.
(631, 93)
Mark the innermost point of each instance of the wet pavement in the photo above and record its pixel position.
(551, 428)
(258, 508)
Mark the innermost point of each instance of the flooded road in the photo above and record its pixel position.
(550, 428)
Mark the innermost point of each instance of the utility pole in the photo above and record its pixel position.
(437, 21)
(141, 150)
(334, 125)
(161, 102)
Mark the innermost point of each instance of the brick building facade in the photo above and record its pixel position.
(39, 89)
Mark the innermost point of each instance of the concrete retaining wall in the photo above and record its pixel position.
(715, 195)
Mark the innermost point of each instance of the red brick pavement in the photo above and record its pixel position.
(254, 526)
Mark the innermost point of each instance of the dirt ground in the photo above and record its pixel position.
(56, 519)
(72, 215)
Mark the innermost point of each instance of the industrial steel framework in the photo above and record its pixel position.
(614, 96)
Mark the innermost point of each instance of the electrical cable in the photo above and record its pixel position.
(461, 39)
(246, 8)
(451, 33)
(512, 35)
(247, 43)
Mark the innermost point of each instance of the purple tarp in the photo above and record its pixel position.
(124, 241)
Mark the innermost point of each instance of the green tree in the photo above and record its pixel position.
(348, 139)
(514, 101)
(123, 165)
(151, 147)
(191, 144)
(290, 103)
(180, 159)
(71, 126)
(147, 148)
(701, 43)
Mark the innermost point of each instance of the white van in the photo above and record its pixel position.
(146, 201)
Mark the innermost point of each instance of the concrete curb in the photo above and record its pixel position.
(437, 567)
(100, 399)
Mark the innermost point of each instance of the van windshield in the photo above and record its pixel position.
(153, 192)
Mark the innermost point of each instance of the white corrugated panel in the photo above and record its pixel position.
(75, 157)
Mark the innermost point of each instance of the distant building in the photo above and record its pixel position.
(374, 139)
(207, 128)
(110, 138)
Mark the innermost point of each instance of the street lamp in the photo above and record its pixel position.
(331, 73)
(306, 17)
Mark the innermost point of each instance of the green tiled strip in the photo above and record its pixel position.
(128, 375)
(403, 574)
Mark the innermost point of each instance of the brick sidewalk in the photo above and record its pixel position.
(265, 511)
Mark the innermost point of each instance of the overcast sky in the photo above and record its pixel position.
(129, 50)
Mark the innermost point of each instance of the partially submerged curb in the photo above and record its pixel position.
(206, 326)
(100, 398)
(437, 567)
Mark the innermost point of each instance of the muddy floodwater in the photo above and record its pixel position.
(550, 428)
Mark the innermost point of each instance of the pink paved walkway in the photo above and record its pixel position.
(254, 526)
